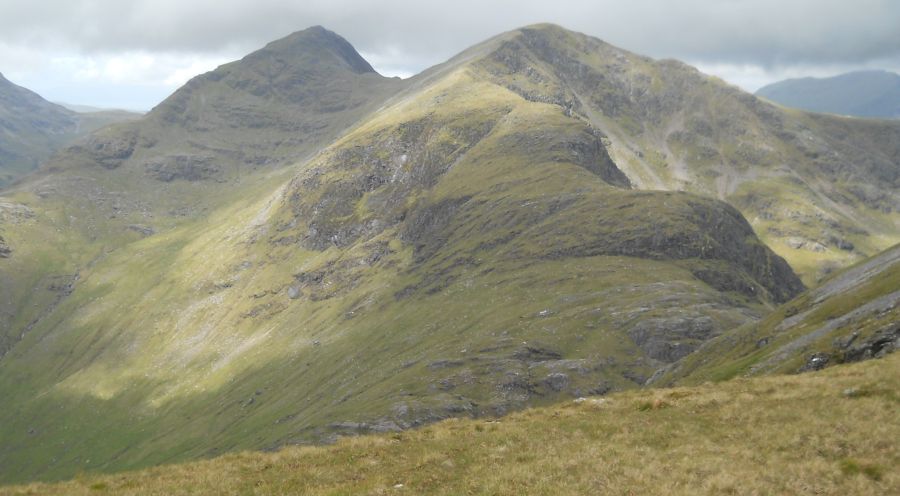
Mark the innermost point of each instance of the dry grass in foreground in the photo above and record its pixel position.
(833, 432)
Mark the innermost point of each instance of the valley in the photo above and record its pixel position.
(292, 249)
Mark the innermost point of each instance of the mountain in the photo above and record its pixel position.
(89, 109)
(854, 315)
(705, 439)
(31, 129)
(293, 248)
(861, 93)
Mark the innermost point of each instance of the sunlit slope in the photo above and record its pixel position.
(829, 432)
(226, 136)
(462, 251)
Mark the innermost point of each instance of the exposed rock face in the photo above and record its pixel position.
(853, 316)
(881, 343)
(109, 150)
(141, 229)
(184, 167)
(5, 250)
(669, 339)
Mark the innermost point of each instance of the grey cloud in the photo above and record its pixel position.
(747, 42)
(761, 32)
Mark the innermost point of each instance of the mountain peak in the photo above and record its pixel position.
(314, 69)
(323, 45)
(545, 26)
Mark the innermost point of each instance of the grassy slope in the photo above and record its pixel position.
(33, 129)
(828, 432)
(814, 322)
(806, 182)
(492, 308)
(492, 267)
(227, 136)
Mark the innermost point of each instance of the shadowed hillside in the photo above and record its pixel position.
(292, 248)
(31, 129)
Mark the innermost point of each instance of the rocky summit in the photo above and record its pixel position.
(292, 248)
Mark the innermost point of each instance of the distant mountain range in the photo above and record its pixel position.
(32, 128)
(90, 109)
(861, 94)
(292, 248)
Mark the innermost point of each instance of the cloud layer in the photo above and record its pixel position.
(404, 36)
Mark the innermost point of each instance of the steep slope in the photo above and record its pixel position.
(467, 249)
(854, 315)
(31, 129)
(833, 437)
(822, 191)
(224, 137)
(861, 93)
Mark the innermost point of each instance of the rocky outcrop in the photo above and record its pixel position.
(671, 338)
(109, 150)
(853, 316)
(182, 167)
(849, 349)
(877, 345)
(5, 250)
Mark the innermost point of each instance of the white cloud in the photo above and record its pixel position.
(134, 80)
(393, 61)
(158, 44)
(168, 70)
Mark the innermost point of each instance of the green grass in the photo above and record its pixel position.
(709, 439)
(207, 322)
(492, 231)
(740, 352)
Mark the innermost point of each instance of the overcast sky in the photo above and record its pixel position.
(133, 53)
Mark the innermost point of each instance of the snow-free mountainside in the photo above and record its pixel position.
(829, 432)
(31, 129)
(292, 248)
(873, 94)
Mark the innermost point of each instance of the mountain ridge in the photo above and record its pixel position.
(33, 129)
(870, 94)
(468, 242)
